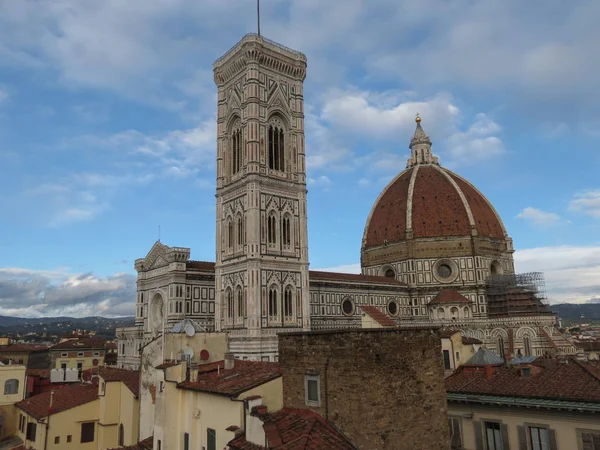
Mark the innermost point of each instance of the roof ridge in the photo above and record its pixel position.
(586, 369)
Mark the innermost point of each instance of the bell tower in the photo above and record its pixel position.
(262, 239)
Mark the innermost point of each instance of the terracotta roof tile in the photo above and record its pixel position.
(167, 364)
(146, 444)
(80, 344)
(296, 429)
(447, 332)
(232, 382)
(549, 379)
(65, 398)
(449, 296)
(378, 316)
(201, 265)
(23, 348)
(335, 276)
(39, 373)
(470, 340)
(130, 378)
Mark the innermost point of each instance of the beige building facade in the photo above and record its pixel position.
(12, 390)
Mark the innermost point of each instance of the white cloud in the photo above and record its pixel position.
(477, 143)
(344, 268)
(587, 202)
(320, 181)
(538, 217)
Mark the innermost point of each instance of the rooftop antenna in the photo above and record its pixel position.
(258, 14)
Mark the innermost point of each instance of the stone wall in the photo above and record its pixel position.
(383, 388)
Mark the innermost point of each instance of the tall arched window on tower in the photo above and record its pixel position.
(271, 229)
(276, 147)
(236, 151)
(287, 303)
(230, 235)
(286, 229)
(272, 302)
(240, 231)
(229, 296)
(241, 307)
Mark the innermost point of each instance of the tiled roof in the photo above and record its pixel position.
(130, 378)
(296, 429)
(549, 379)
(23, 348)
(201, 265)
(244, 376)
(65, 398)
(378, 316)
(81, 344)
(449, 296)
(437, 208)
(146, 444)
(110, 346)
(483, 357)
(470, 340)
(167, 364)
(335, 276)
(448, 332)
(587, 345)
(39, 373)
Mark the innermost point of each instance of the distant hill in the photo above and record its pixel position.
(572, 311)
(46, 327)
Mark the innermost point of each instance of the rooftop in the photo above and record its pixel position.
(484, 357)
(295, 429)
(245, 375)
(130, 378)
(65, 398)
(146, 444)
(448, 296)
(378, 316)
(335, 276)
(23, 348)
(81, 343)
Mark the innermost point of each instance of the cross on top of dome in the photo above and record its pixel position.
(420, 146)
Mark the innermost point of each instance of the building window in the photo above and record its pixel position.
(236, 147)
(493, 436)
(211, 439)
(64, 355)
(271, 229)
(240, 231)
(229, 303)
(286, 232)
(390, 273)
(393, 308)
(287, 303)
(31, 431)
(444, 271)
(186, 441)
(230, 234)
(447, 365)
(159, 444)
(22, 423)
(455, 434)
(241, 310)
(312, 389)
(96, 353)
(57, 439)
(11, 386)
(276, 148)
(69, 438)
(272, 302)
(589, 440)
(538, 436)
(121, 435)
(347, 307)
(87, 431)
(527, 346)
(80, 354)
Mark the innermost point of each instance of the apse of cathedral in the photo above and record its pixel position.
(434, 250)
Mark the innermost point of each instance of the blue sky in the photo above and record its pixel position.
(107, 130)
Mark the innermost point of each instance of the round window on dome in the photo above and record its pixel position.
(390, 273)
(444, 271)
(393, 308)
(347, 307)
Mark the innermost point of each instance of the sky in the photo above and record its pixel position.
(107, 130)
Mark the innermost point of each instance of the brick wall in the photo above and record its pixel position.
(383, 388)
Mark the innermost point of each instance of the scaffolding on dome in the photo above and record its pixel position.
(513, 295)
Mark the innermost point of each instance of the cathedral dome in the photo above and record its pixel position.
(429, 201)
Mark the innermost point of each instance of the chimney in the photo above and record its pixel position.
(489, 372)
(229, 361)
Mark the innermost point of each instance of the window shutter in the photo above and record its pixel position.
(478, 435)
(552, 439)
(522, 432)
(505, 442)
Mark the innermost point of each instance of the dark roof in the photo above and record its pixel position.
(130, 378)
(449, 296)
(23, 348)
(448, 332)
(549, 379)
(335, 276)
(65, 398)
(484, 357)
(587, 345)
(39, 373)
(296, 429)
(244, 376)
(80, 344)
(470, 340)
(146, 444)
(201, 265)
(378, 316)
(110, 346)
(167, 364)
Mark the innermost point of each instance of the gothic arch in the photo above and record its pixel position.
(240, 302)
(499, 332)
(525, 331)
(157, 310)
(387, 270)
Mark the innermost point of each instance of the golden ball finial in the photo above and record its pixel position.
(418, 118)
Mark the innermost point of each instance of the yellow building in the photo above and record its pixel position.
(92, 416)
(12, 390)
(81, 354)
(457, 349)
(544, 404)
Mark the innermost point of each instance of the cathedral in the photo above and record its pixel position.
(434, 250)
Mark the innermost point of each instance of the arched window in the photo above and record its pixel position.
(230, 234)
(527, 346)
(286, 231)
(271, 229)
(236, 151)
(241, 307)
(11, 386)
(287, 303)
(501, 350)
(454, 313)
(272, 302)
(121, 435)
(466, 312)
(389, 273)
(240, 231)
(441, 313)
(229, 303)
(276, 148)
